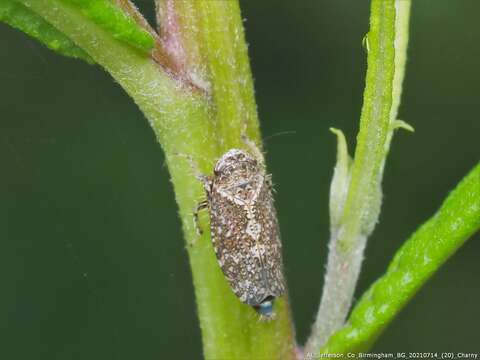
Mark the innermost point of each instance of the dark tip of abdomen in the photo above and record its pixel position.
(265, 308)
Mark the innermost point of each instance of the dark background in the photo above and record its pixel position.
(92, 261)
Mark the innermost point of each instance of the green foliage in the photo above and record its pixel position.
(108, 16)
(362, 205)
(111, 18)
(340, 181)
(205, 121)
(355, 192)
(417, 260)
(19, 16)
(201, 124)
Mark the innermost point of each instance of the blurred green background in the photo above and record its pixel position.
(92, 261)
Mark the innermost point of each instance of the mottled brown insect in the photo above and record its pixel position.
(244, 229)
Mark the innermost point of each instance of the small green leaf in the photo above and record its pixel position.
(20, 17)
(365, 43)
(112, 19)
(340, 181)
(400, 124)
(417, 260)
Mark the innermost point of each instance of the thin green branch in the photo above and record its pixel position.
(417, 260)
(355, 195)
(402, 19)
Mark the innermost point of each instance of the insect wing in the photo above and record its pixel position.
(246, 242)
(270, 239)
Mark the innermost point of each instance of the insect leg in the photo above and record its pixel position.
(201, 206)
(206, 184)
(194, 166)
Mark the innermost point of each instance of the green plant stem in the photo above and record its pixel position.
(221, 27)
(417, 260)
(201, 125)
(402, 20)
(212, 32)
(360, 205)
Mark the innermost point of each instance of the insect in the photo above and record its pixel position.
(244, 229)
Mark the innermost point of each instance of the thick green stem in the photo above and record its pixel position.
(356, 187)
(217, 28)
(202, 124)
(209, 35)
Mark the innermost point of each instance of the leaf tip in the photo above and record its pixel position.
(400, 124)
